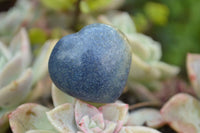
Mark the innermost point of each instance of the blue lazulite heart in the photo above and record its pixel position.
(92, 64)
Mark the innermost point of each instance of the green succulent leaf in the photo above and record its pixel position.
(60, 97)
(40, 66)
(20, 44)
(148, 116)
(16, 17)
(115, 18)
(7, 74)
(40, 131)
(15, 92)
(138, 129)
(29, 116)
(62, 118)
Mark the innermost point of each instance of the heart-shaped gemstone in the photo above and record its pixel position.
(92, 64)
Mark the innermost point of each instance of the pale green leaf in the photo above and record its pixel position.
(60, 97)
(40, 66)
(62, 118)
(29, 116)
(15, 92)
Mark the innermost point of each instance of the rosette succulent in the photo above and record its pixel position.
(146, 67)
(23, 13)
(181, 112)
(16, 74)
(81, 55)
(73, 116)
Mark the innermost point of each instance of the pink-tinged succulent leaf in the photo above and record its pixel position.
(182, 113)
(138, 129)
(40, 66)
(41, 131)
(193, 69)
(145, 116)
(11, 71)
(15, 92)
(20, 44)
(62, 118)
(115, 112)
(60, 97)
(88, 117)
(29, 116)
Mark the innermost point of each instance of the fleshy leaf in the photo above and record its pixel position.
(145, 116)
(62, 118)
(193, 69)
(4, 51)
(40, 66)
(15, 92)
(40, 131)
(20, 43)
(29, 116)
(151, 47)
(166, 69)
(109, 126)
(18, 15)
(138, 129)
(5, 55)
(143, 71)
(60, 97)
(182, 112)
(11, 70)
(94, 117)
(115, 112)
(114, 18)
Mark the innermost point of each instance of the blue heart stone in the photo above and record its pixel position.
(92, 64)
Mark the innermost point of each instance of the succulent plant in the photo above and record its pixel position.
(181, 112)
(16, 17)
(193, 69)
(91, 65)
(72, 115)
(146, 67)
(16, 74)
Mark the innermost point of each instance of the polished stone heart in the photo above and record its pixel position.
(92, 64)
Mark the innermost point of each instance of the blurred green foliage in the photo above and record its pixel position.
(59, 5)
(37, 36)
(174, 23)
(93, 5)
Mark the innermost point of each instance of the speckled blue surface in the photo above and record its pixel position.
(92, 64)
